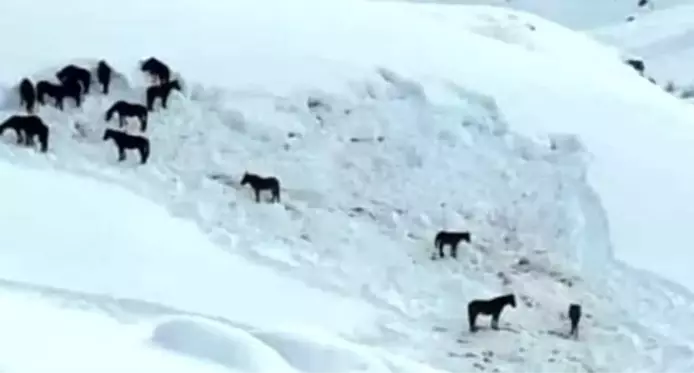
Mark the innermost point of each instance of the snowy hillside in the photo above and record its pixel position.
(382, 133)
(664, 39)
(575, 14)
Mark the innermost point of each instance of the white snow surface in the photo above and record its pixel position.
(663, 39)
(385, 122)
(576, 14)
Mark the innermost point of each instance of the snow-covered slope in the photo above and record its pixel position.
(663, 38)
(85, 254)
(576, 14)
(463, 105)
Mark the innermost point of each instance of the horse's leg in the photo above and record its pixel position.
(20, 135)
(495, 320)
(454, 249)
(121, 154)
(441, 249)
(29, 138)
(257, 195)
(471, 316)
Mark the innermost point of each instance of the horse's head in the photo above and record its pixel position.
(107, 134)
(245, 179)
(466, 237)
(510, 299)
(175, 84)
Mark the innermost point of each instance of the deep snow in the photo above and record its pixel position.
(358, 216)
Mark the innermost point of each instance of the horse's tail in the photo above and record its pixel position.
(43, 137)
(144, 120)
(145, 151)
(471, 315)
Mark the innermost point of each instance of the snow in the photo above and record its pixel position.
(663, 38)
(538, 140)
(575, 14)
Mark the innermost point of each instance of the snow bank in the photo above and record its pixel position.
(235, 349)
(267, 350)
(40, 335)
(129, 247)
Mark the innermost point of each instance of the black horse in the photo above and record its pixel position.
(26, 127)
(126, 109)
(575, 317)
(103, 75)
(27, 94)
(125, 141)
(157, 69)
(452, 239)
(637, 64)
(77, 74)
(162, 91)
(259, 183)
(492, 307)
(68, 88)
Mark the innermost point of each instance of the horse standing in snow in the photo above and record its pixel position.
(575, 317)
(126, 109)
(76, 73)
(259, 183)
(26, 127)
(452, 239)
(126, 141)
(491, 307)
(162, 91)
(637, 64)
(68, 88)
(27, 94)
(103, 75)
(157, 69)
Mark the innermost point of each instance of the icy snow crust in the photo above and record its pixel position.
(461, 122)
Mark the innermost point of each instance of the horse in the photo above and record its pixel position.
(575, 317)
(27, 94)
(162, 91)
(452, 239)
(126, 109)
(76, 73)
(637, 64)
(156, 68)
(68, 88)
(124, 141)
(26, 127)
(103, 75)
(492, 307)
(259, 183)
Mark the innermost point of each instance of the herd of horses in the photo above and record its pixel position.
(75, 82)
